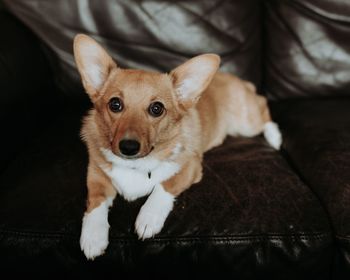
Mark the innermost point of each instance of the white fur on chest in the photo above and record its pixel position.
(137, 178)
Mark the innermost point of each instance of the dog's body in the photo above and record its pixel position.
(148, 131)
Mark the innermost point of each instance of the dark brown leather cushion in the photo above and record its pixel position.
(250, 216)
(157, 35)
(317, 141)
(307, 48)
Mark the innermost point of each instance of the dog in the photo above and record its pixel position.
(147, 133)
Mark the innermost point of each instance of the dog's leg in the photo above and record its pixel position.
(156, 209)
(154, 212)
(95, 227)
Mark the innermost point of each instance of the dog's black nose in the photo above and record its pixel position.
(129, 147)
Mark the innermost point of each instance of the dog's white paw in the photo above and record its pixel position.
(148, 224)
(154, 212)
(94, 235)
(93, 242)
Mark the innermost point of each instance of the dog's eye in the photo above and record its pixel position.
(115, 105)
(156, 109)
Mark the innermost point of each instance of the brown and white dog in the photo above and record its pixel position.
(147, 133)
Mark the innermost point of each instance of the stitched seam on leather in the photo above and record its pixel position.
(32, 234)
(235, 239)
(270, 234)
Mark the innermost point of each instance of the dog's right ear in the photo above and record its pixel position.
(191, 78)
(93, 62)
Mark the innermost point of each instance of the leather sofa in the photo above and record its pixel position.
(257, 213)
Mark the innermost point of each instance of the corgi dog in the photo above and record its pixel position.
(147, 133)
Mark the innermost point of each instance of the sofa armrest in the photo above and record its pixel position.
(26, 86)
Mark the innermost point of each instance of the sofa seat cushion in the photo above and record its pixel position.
(317, 141)
(250, 216)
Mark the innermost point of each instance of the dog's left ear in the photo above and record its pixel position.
(93, 62)
(192, 78)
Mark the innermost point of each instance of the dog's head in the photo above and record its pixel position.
(139, 111)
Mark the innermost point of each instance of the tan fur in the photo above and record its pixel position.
(230, 106)
(190, 174)
(99, 187)
(221, 105)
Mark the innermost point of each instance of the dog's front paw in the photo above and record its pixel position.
(153, 213)
(148, 224)
(94, 237)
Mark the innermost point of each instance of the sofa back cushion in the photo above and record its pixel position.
(307, 48)
(156, 35)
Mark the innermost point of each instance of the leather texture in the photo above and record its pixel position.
(307, 48)
(251, 216)
(156, 35)
(317, 140)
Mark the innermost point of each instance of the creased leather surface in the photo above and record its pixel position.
(307, 48)
(157, 35)
(251, 216)
(317, 140)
